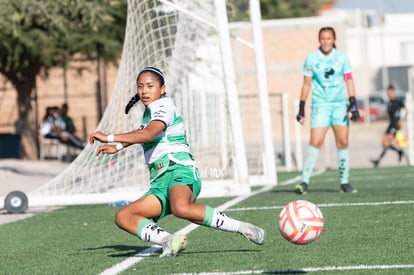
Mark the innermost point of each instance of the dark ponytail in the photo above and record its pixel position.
(131, 103)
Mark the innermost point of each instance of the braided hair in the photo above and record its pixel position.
(157, 73)
(131, 103)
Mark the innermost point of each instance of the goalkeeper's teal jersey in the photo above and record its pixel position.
(327, 71)
(172, 139)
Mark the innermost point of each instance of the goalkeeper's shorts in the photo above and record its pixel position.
(176, 174)
(328, 114)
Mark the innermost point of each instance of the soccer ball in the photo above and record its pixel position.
(301, 222)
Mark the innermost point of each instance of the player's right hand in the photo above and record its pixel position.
(106, 149)
(300, 117)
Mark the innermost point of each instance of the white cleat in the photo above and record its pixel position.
(252, 233)
(172, 245)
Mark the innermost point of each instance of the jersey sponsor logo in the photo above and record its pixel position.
(159, 114)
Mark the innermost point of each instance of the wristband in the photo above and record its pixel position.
(119, 146)
(110, 138)
(302, 104)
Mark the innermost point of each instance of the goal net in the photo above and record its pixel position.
(182, 39)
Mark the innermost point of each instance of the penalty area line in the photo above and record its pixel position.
(325, 205)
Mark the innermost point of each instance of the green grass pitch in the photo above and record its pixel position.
(369, 232)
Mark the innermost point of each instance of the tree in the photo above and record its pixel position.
(36, 36)
(274, 9)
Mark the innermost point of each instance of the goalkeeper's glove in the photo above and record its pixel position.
(353, 109)
(300, 117)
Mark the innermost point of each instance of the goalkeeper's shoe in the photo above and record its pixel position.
(172, 245)
(302, 188)
(347, 188)
(252, 233)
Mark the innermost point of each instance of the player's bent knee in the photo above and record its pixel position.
(120, 218)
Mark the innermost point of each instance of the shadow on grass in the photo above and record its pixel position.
(123, 251)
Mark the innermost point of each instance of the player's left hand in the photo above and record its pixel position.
(353, 109)
(97, 136)
(106, 149)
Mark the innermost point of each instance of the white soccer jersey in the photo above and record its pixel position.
(173, 138)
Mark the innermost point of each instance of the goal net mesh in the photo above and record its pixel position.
(183, 42)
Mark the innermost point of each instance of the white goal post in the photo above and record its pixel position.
(190, 41)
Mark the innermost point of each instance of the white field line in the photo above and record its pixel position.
(119, 267)
(306, 269)
(115, 269)
(321, 205)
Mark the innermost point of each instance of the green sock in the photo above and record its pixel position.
(343, 165)
(310, 162)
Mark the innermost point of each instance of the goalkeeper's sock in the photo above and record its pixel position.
(216, 219)
(310, 162)
(150, 232)
(343, 165)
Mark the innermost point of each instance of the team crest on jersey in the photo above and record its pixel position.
(159, 166)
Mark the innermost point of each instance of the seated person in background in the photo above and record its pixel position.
(53, 126)
(69, 125)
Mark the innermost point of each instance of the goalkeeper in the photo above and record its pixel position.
(175, 181)
(327, 73)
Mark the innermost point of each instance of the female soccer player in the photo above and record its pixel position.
(394, 108)
(175, 181)
(327, 73)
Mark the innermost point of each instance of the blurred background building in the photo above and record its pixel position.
(376, 35)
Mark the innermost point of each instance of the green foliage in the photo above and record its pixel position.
(38, 35)
(238, 10)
